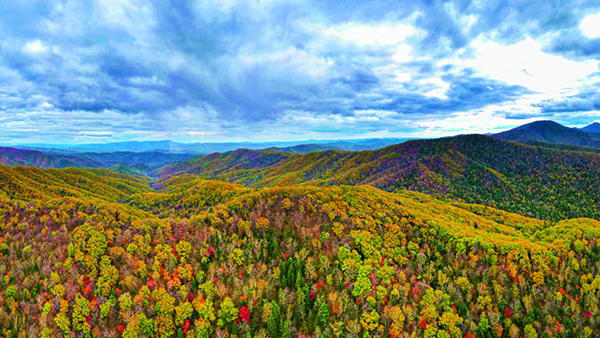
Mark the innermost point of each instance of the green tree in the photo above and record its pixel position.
(273, 323)
(228, 312)
(323, 315)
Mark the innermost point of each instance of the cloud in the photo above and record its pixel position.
(465, 92)
(590, 26)
(526, 64)
(35, 47)
(220, 69)
(583, 102)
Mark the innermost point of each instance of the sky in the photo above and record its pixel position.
(92, 71)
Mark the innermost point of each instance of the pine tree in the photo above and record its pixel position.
(323, 315)
(273, 323)
(286, 331)
(291, 276)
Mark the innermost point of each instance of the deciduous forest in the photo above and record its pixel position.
(310, 252)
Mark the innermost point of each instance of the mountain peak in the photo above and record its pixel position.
(545, 124)
(552, 132)
(592, 128)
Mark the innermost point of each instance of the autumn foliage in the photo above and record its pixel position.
(199, 258)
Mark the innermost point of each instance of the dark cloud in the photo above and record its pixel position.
(582, 102)
(575, 46)
(466, 92)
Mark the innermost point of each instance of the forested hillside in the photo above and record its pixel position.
(14, 157)
(28, 183)
(535, 181)
(198, 258)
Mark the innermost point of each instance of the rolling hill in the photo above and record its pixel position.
(153, 159)
(28, 183)
(207, 258)
(13, 157)
(535, 181)
(551, 132)
(139, 163)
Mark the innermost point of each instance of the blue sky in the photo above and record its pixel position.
(203, 71)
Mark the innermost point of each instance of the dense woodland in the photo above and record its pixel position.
(90, 253)
(535, 181)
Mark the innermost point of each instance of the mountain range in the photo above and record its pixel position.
(13, 157)
(552, 132)
(464, 236)
(167, 146)
(88, 252)
(143, 162)
(471, 168)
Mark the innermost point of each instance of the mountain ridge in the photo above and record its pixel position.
(470, 168)
(592, 128)
(205, 148)
(551, 132)
(14, 157)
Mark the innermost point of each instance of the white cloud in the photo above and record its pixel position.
(439, 87)
(382, 35)
(403, 53)
(590, 26)
(35, 47)
(146, 81)
(465, 123)
(135, 17)
(525, 64)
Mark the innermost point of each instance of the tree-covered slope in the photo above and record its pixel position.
(535, 181)
(32, 158)
(214, 259)
(28, 183)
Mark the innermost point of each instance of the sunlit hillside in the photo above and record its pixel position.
(206, 258)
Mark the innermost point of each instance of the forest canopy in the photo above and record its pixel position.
(206, 258)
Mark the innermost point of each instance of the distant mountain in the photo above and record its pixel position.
(133, 146)
(31, 158)
(592, 128)
(352, 145)
(207, 148)
(302, 148)
(127, 162)
(550, 131)
(152, 159)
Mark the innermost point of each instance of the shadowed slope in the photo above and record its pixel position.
(552, 132)
(32, 158)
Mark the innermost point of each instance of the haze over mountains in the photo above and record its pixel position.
(144, 158)
(206, 148)
(31, 158)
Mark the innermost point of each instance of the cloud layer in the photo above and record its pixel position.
(83, 71)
